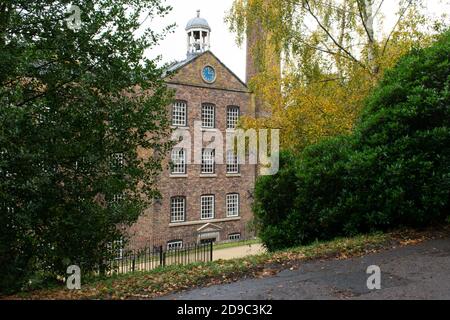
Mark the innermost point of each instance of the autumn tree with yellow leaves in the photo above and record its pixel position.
(319, 59)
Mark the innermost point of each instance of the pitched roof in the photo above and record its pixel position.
(178, 65)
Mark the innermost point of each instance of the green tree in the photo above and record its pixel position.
(333, 52)
(77, 103)
(392, 171)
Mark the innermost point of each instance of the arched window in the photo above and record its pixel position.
(207, 207)
(179, 114)
(208, 116)
(233, 113)
(232, 205)
(178, 164)
(177, 209)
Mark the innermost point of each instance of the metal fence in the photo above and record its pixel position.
(147, 259)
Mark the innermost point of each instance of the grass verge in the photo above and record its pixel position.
(171, 279)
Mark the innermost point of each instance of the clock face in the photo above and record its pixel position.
(209, 74)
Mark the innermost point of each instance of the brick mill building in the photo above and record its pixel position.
(207, 201)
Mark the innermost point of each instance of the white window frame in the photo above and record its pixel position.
(208, 161)
(234, 237)
(233, 205)
(207, 206)
(118, 160)
(174, 245)
(117, 249)
(118, 198)
(179, 114)
(208, 116)
(232, 163)
(233, 114)
(177, 209)
(178, 158)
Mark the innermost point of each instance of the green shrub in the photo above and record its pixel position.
(393, 171)
(274, 198)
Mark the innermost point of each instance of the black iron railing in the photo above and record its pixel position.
(150, 258)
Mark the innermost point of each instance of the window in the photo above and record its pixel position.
(232, 162)
(117, 249)
(233, 205)
(117, 198)
(117, 160)
(234, 237)
(208, 116)
(177, 209)
(175, 245)
(208, 156)
(207, 205)
(179, 161)
(232, 117)
(179, 114)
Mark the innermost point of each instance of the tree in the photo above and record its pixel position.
(333, 53)
(83, 129)
(391, 172)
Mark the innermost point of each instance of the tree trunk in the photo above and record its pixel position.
(341, 39)
(367, 16)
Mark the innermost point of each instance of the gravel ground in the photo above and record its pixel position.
(238, 252)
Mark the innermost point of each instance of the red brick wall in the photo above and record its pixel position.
(155, 223)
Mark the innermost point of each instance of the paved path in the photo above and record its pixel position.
(414, 272)
(238, 252)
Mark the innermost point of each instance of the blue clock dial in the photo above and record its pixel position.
(209, 74)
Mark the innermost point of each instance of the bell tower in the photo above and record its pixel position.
(198, 36)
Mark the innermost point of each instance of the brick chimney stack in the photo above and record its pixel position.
(257, 38)
(254, 35)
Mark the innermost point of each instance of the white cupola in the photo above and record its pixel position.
(198, 35)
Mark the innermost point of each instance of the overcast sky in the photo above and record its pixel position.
(222, 41)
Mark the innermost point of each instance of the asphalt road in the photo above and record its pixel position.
(413, 272)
